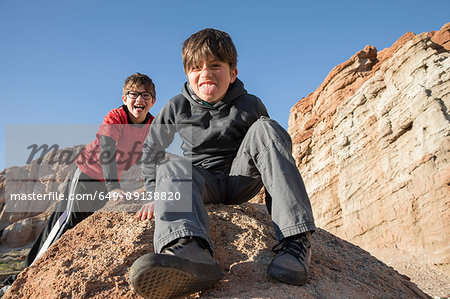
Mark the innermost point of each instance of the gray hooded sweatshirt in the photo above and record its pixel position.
(210, 133)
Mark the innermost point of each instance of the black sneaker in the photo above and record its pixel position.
(291, 264)
(183, 268)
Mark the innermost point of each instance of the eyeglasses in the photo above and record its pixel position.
(134, 95)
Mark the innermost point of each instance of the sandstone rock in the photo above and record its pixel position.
(40, 177)
(93, 260)
(23, 232)
(442, 36)
(44, 176)
(373, 146)
(18, 234)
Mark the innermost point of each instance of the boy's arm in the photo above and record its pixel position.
(160, 136)
(109, 166)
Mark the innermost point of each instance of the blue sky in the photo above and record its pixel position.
(64, 62)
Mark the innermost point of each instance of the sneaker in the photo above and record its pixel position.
(291, 264)
(7, 284)
(4, 290)
(183, 268)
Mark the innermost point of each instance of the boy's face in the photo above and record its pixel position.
(210, 79)
(138, 107)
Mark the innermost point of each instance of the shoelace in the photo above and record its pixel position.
(294, 246)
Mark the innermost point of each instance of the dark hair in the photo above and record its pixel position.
(209, 43)
(138, 79)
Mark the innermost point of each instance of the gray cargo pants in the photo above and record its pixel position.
(264, 158)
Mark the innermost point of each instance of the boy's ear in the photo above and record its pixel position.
(124, 99)
(234, 74)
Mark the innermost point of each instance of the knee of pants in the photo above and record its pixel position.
(174, 168)
(269, 130)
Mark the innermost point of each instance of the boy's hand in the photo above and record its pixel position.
(147, 211)
(118, 194)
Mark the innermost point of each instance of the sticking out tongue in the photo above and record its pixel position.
(208, 88)
(138, 108)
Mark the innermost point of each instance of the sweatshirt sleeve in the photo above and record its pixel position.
(108, 161)
(112, 125)
(262, 109)
(160, 136)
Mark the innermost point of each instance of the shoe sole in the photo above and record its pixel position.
(287, 276)
(166, 276)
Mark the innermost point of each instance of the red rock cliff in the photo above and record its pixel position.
(373, 146)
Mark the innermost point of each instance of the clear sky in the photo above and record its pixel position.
(64, 62)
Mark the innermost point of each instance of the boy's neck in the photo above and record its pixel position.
(208, 103)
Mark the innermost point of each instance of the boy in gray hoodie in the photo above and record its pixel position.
(231, 149)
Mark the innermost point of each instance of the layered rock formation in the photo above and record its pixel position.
(41, 176)
(93, 261)
(24, 231)
(373, 146)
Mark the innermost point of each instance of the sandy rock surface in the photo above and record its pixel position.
(93, 261)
